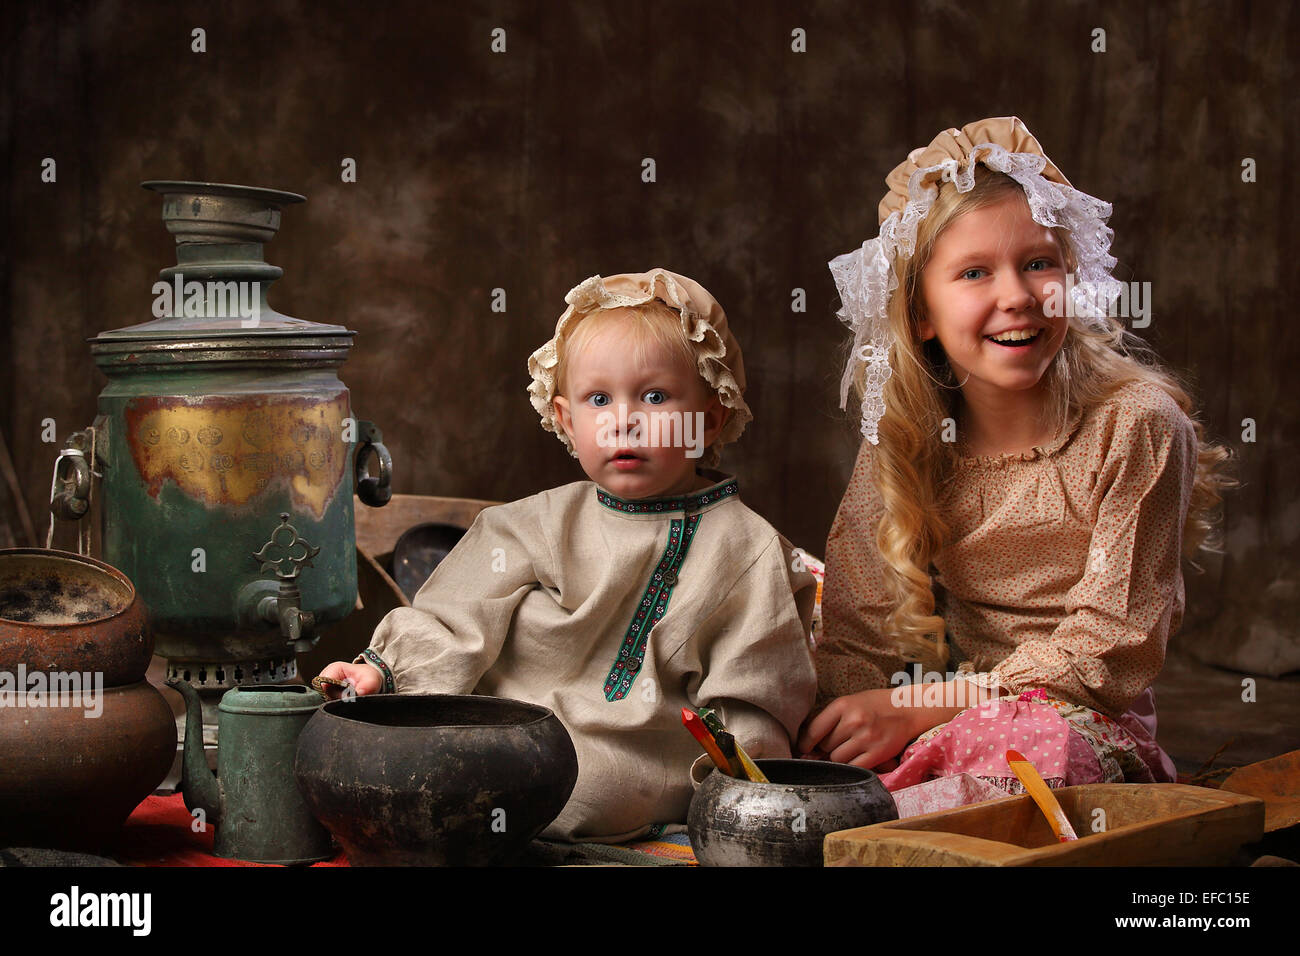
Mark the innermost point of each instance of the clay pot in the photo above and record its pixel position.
(783, 822)
(435, 780)
(83, 737)
(71, 614)
(69, 777)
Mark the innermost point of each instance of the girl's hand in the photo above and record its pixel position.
(863, 729)
(365, 679)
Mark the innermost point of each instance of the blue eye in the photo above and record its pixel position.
(972, 273)
(1042, 264)
(655, 396)
(598, 399)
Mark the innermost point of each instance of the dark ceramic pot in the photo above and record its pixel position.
(71, 614)
(72, 772)
(435, 780)
(783, 823)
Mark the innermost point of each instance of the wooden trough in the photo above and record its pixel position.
(1145, 824)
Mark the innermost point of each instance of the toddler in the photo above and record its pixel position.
(620, 600)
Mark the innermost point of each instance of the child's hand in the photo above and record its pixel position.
(364, 678)
(863, 729)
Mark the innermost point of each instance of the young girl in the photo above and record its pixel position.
(1029, 482)
(618, 601)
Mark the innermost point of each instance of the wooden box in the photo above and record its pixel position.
(1145, 824)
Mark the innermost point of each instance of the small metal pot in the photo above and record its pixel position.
(783, 823)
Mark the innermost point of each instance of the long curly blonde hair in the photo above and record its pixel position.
(912, 463)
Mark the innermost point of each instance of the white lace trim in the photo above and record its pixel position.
(865, 277)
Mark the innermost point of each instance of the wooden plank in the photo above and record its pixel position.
(1277, 783)
(379, 528)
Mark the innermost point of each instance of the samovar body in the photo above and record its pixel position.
(198, 466)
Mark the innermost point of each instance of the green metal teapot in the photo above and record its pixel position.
(253, 801)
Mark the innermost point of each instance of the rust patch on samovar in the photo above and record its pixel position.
(224, 450)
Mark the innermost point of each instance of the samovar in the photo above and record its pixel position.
(226, 453)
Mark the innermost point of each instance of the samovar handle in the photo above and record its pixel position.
(71, 471)
(373, 490)
(72, 486)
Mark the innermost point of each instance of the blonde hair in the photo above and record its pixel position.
(649, 325)
(912, 463)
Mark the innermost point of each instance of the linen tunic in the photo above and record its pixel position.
(1062, 566)
(616, 614)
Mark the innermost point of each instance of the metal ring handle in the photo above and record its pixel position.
(374, 490)
(71, 502)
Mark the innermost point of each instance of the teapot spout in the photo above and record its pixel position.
(198, 783)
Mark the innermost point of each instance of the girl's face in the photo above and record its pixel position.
(989, 274)
(635, 426)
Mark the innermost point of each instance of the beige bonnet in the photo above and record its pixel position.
(867, 277)
(958, 144)
(717, 353)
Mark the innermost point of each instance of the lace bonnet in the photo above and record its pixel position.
(717, 353)
(866, 277)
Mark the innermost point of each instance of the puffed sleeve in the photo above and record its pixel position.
(1111, 644)
(853, 653)
(752, 656)
(453, 632)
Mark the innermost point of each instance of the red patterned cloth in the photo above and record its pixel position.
(160, 832)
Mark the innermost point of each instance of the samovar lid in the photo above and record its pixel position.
(221, 212)
(218, 288)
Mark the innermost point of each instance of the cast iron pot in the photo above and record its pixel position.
(434, 780)
(783, 822)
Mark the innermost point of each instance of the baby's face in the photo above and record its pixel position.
(989, 274)
(638, 429)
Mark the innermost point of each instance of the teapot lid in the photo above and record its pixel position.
(285, 699)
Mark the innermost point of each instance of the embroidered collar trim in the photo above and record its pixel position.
(694, 502)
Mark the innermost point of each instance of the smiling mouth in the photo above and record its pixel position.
(1016, 340)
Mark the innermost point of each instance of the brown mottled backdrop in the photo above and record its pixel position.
(522, 170)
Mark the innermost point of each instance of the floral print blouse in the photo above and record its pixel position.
(1062, 567)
